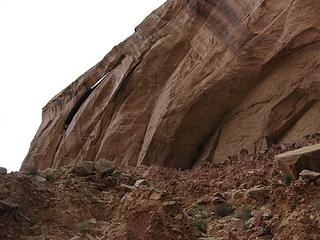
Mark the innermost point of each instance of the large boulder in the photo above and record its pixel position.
(294, 162)
(198, 81)
(3, 171)
(104, 166)
(84, 168)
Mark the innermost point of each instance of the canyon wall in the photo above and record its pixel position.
(198, 81)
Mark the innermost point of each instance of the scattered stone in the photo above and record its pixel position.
(3, 171)
(234, 194)
(76, 238)
(258, 192)
(142, 182)
(218, 200)
(218, 194)
(169, 203)
(92, 221)
(235, 222)
(40, 179)
(266, 213)
(286, 220)
(155, 196)
(84, 168)
(36, 230)
(51, 174)
(116, 174)
(264, 231)
(249, 224)
(125, 186)
(257, 218)
(309, 175)
(31, 170)
(104, 166)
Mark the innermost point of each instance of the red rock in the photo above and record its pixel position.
(195, 75)
(218, 200)
(155, 196)
(218, 194)
(104, 166)
(84, 168)
(300, 162)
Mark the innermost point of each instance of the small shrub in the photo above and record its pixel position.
(287, 180)
(32, 171)
(84, 226)
(50, 177)
(223, 209)
(244, 213)
(194, 210)
(200, 224)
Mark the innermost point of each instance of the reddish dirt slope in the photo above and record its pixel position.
(210, 202)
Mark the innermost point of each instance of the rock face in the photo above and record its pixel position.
(198, 81)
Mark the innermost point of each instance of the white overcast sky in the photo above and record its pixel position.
(44, 46)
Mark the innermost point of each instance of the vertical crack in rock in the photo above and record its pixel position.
(76, 107)
(83, 98)
(74, 111)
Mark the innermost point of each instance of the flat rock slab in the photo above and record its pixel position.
(310, 175)
(294, 162)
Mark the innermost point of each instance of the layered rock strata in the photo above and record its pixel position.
(198, 81)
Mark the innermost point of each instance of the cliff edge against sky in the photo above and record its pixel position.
(198, 81)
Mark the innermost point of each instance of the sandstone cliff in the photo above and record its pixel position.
(198, 81)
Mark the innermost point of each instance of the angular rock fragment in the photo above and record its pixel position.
(142, 182)
(218, 200)
(104, 166)
(309, 175)
(51, 174)
(84, 168)
(258, 192)
(294, 162)
(40, 179)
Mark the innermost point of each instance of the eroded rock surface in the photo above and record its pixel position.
(197, 82)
